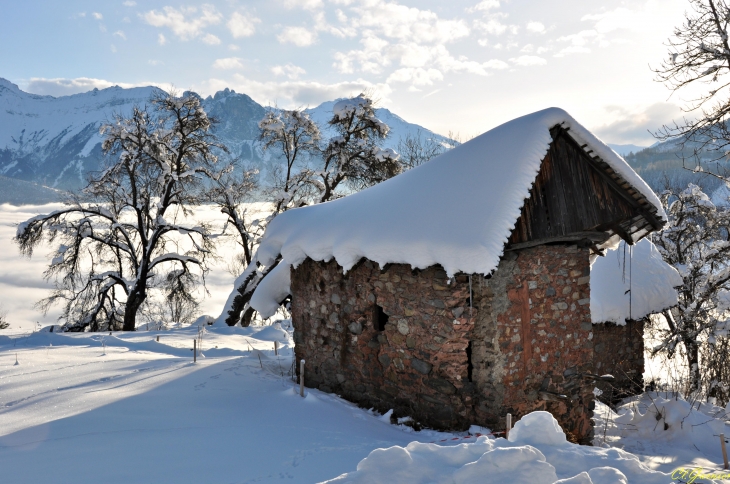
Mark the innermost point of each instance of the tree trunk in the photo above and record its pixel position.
(134, 302)
(693, 360)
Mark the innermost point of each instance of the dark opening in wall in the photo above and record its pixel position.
(469, 365)
(380, 319)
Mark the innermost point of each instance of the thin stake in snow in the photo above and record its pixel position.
(276, 348)
(158, 338)
(16, 360)
(724, 450)
(260, 362)
(195, 350)
(508, 427)
(301, 378)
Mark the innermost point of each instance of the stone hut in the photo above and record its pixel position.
(460, 291)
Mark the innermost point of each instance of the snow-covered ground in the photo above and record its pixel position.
(21, 278)
(94, 407)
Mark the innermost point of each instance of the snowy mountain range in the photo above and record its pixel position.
(55, 141)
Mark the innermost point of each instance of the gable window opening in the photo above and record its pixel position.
(380, 319)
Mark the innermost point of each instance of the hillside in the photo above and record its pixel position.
(55, 141)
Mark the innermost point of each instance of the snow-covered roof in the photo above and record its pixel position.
(457, 210)
(651, 282)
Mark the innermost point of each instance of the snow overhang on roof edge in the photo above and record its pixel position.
(422, 217)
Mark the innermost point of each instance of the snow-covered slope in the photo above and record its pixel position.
(56, 142)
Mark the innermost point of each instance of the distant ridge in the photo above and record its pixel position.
(55, 141)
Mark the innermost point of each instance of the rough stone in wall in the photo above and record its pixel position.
(619, 351)
(541, 309)
(451, 353)
(415, 362)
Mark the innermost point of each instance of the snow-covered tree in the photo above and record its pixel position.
(354, 157)
(355, 154)
(699, 58)
(696, 241)
(231, 191)
(123, 236)
(294, 138)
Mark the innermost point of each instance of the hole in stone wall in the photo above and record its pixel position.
(469, 365)
(380, 319)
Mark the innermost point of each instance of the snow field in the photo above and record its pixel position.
(129, 409)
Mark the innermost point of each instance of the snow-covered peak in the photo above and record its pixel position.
(4, 83)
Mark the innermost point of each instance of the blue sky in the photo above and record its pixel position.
(460, 66)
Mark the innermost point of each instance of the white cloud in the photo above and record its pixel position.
(161, 39)
(495, 64)
(289, 70)
(113, 48)
(64, 87)
(129, 3)
(417, 76)
(305, 4)
(242, 25)
(185, 22)
(634, 125)
(228, 63)
(493, 26)
(298, 36)
(233, 47)
(97, 15)
(536, 27)
(483, 6)
(126, 20)
(211, 39)
(528, 60)
(154, 62)
(407, 23)
(120, 34)
(579, 43)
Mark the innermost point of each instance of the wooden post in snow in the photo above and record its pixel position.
(301, 378)
(195, 350)
(724, 450)
(276, 348)
(158, 338)
(509, 426)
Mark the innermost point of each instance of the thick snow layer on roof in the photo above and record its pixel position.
(457, 210)
(651, 282)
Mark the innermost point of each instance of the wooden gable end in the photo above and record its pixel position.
(573, 194)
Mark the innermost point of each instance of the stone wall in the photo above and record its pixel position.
(457, 352)
(619, 351)
(541, 306)
(417, 365)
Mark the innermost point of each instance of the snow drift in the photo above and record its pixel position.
(537, 452)
(626, 285)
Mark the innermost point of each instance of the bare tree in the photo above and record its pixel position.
(416, 149)
(696, 241)
(123, 238)
(699, 54)
(4, 324)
